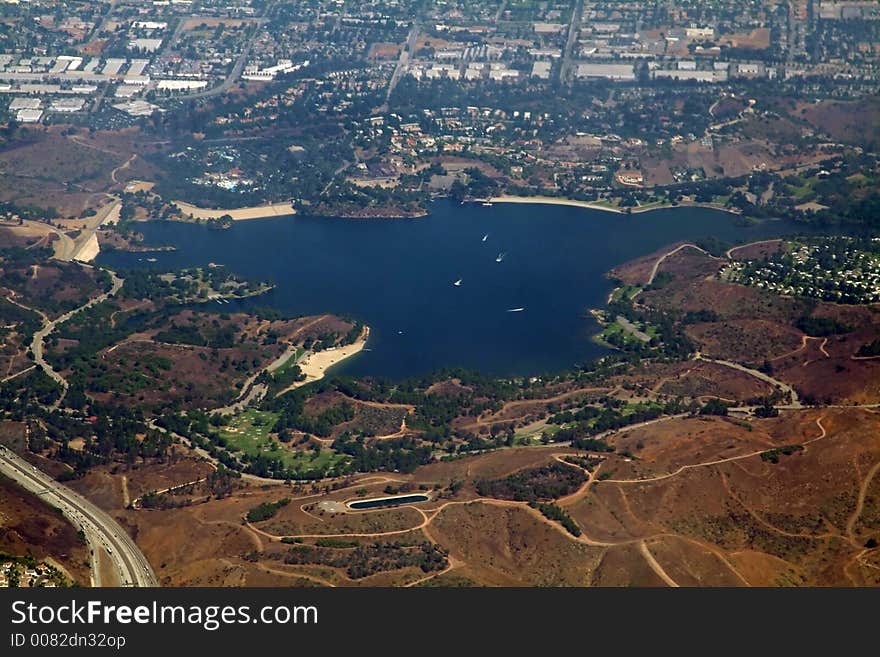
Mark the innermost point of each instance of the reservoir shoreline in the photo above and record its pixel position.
(316, 364)
(284, 209)
(591, 205)
(400, 277)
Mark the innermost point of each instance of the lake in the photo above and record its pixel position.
(398, 276)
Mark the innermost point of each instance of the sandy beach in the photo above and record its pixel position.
(554, 200)
(237, 214)
(315, 364)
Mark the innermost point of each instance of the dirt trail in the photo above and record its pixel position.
(49, 325)
(122, 166)
(768, 524)
(277, 537)
(662, 258)
(302, 507)
(708, 463)
(655, 566)
(17, 374)
(287, 573)
(480, 422)
(860, 505)
(249, 531)
(430, 514)
(584, 488)
(729, 253)
(655, 390)
(453, 563)
(400, 433)
(804, 339)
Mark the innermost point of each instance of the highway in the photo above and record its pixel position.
(103, 534)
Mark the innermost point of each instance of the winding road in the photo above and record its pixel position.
(38, 342)
(104, 535)
(795, 400)
(662, 258)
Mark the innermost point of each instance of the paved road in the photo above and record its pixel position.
(230, 80)
(406, 53)
(662, 258)
(104, 535)
(39, 338)
(233, 76)
(566, 76)
(776, 383)
(82, 250)
(64, 247)
(632, 329)
(252, 391)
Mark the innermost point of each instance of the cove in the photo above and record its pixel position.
(398, 276)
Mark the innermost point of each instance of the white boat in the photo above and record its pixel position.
(487, 204)
(515, 310)
(500, 257)
(457, 283)
(485, 237)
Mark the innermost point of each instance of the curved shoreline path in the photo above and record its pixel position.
(38, 341)
(781, 385)
(104, 535)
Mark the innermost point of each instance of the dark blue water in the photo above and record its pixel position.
(388, 501)
(397, 275)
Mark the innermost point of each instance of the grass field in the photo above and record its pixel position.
(625, 291)
(532, 435)
(250, 432)
(613, 332)
(802, 191)
(289, 363)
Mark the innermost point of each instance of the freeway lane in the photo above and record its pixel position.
(102, 532)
